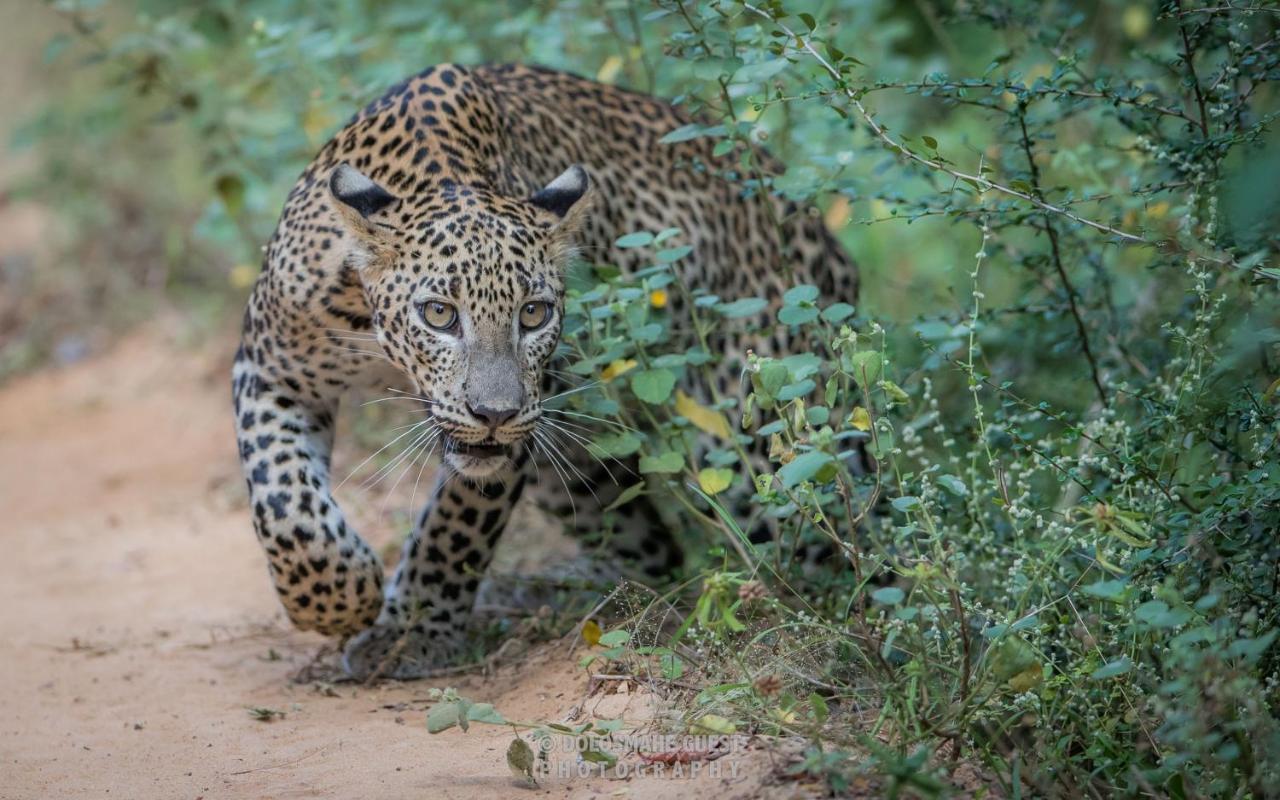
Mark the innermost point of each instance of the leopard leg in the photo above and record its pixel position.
(327, 577)
(631, 541)
(429, 599)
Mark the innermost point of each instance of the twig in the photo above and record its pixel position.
(1051, 90)
(979, 181)
(1188, 55)
(1056, 252)
(317, 751)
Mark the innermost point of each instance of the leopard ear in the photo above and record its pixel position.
(359, 201)
(563, 195)
(358, 193)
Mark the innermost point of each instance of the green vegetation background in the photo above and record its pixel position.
(1075, 407)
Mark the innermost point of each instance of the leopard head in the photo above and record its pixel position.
(466, 289)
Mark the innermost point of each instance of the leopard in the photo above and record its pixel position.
(438, 226)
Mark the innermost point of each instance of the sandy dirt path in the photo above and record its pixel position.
(138, 626)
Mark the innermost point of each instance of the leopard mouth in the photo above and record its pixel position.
(479, 450)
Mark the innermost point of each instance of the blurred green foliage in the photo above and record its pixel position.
(1063, 360)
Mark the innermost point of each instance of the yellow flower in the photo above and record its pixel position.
(658, 298)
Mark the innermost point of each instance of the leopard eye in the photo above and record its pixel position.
(438, 315)
(534, 315)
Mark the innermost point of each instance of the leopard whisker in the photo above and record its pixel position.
(601, 420)
(370, 353)
(390, 467)
(574, 390)
(570, 466)
(385, 399)
(418, 450)
(379, 450)
(542, 447)
(587, 446)
(432, 442)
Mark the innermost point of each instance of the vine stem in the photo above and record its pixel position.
(982, 183)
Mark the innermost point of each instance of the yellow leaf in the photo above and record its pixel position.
(658, 298)
(591, 632)
(617, 368)
(785, 717)
(242, 276)
(1158, 210)
(1271, 390)
(609, 69)
(715, 480)
(703, 418)
(1027, 680)
(1136, 21)
(837, 215)
(860, 419)
(713, 724)
(316, 122)
(776, 447)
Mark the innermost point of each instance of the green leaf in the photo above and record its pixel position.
(653, 385)
(770, 379)
(637, 239)
(803, 293)
(711, 69)
(929, 142)
(761, 71)
(1112, 669)
(820, 710)
(1107, 590)
(953, 484)
(889, 595)
(906, 504)
(881, 445)
(746, 307)
(802, 365)
(684, 133)
(803, 467)
(485, 712)
(837, 312)
(619, 444)
(673, 254)
(866, 366)
(626, 496)
(797, 315)
(667, 463)
(798, 389)
(615, 638)
(1011, 656)
(443, 716)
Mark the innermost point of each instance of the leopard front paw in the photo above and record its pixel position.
(399, 652)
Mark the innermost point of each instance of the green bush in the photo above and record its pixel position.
(1063, 364)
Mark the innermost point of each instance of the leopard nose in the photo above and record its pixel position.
(493, 417)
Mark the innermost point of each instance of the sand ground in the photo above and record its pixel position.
(138, 625)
